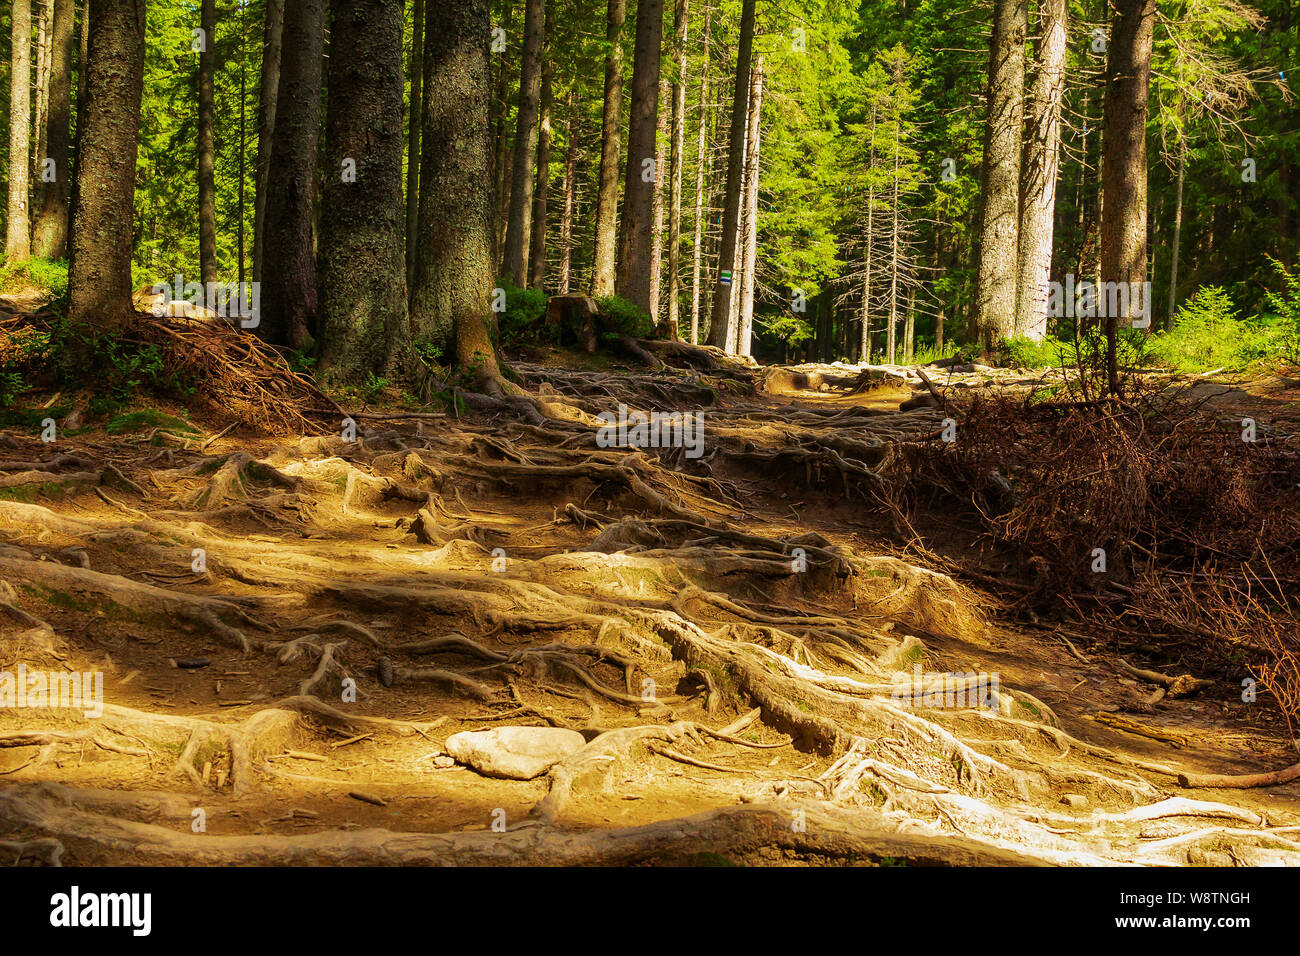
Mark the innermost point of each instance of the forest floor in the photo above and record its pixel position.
(730, 634)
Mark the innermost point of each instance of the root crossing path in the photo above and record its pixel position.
(287, 631)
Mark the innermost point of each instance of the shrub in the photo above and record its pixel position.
(48, 275)
(622, 317)
(1285, 331)
(523, 309)
(1207, 334)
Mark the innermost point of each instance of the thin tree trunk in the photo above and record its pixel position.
(206, 148)
(570, 197)
(893, 260)
(500, 165)
(415, 70)
(607, 187)
(909, 328)
(868, 241)
(537, 248)
(243, 141)
(288, 300)
(1124, 164)
(268, 95)
(40, 99)
(657, 243)
(17, 235)
(702, 163)
(454, 269)
(50, 233)
(681, 18)
(750, 233)
(99, 274)
(515, 264)
(1001, 173)
(1175, 249)
(362, 270)
(719, 331)
(1039, 175)
(636, 231)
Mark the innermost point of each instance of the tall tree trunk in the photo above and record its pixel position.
(661, 180)
(636, 239)
(500, 164)
(744, 341)
(701, 165)
(454, 268)
(415, 70)
(681, 19)
(1124, 163)
(869, 239)
(537, 247)
(570, 196)
(362, 269)
(289, 259)
(40, 100)
(604, 268)
(50, 233)
(1041, 168)
(718, 332)
(893, 258)
(268, 95)
(206, 149)
(1176, 247)
(243, 141)
(515, 262)
(99, 274)
(1001, 172)
(909, 327)
(17, 235)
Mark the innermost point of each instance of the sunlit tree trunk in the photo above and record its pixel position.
(604, 267)
(518, 223)
(99, 274)
(641, 179)
(17, 235)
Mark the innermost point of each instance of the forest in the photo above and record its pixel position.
(607, 432)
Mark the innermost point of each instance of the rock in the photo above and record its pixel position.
(1074, 801)
(517, 753)
(444, 761)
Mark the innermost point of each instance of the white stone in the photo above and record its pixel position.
(518, 753)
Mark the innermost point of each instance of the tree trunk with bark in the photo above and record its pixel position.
(641, 180)
(999, 220)
(719, 331)
(681, 19)
(50, 233)
(701, 166)
(744, 341)
(17, 235)
(570, 197)
(661, 180)
(541, 192)
(362, 269)
(99, 273)
(454, 269)
(415, 70)
(515, 264)
(604, 267)
(288, 300)
(206, 148)
(1124, 163)
(1039, 175)
(268, 93)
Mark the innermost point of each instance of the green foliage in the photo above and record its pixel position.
(374, 387)
(524, 308)
(623, 317)
(147, 418)
(1286, 305)
(48, 275)
(1208, 334)
(1026, 353)
(111, 365)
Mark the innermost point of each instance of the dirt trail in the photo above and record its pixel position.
(728, 632)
